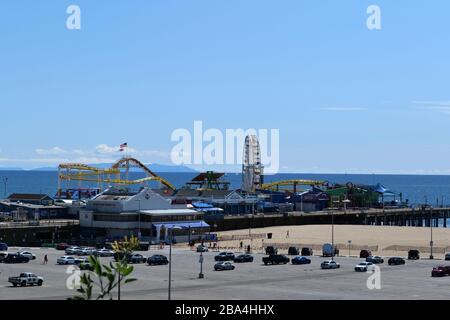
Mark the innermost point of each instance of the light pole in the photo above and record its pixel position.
(332, 235)
(201, 275)
(170, 260)
(349, 247)
(431, 229)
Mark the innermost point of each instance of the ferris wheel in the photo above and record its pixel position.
(252, 168)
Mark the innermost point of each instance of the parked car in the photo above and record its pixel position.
(62, 246)
(307, 252)
(225, 256)
(243, 258)
(301, 260)
(293, 251)
(364, 267)
(65, 260)
(271, 250)
(137, 258)
(202, 248)
(104, 253)
(276, 259)
(26, 279)
(396, 261)
(413, 255)
(157, 260)
(15, 258)
(3, 246)
(440, 271)
(72, 250)
(327, 250)
(86, 252)
(330, 264)
(27, 254)
(223, 266)
(447, 256)
(375, 259)
(364, 254)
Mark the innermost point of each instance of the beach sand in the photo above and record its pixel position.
(383, 240)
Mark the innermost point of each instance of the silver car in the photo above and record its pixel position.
(27, 254)
(331, 264)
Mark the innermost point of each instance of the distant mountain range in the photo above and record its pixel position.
(154, 167)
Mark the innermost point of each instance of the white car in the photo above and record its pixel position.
(365, 266)
(73, 250)
(66, 260)
(104, 253)
(27, 254)
(86, 252)
(330, 264)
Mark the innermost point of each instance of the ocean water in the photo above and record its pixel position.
(418, 189)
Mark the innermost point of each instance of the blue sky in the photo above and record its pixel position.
(346, 99)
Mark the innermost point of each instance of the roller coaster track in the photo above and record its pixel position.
(131, 162)
(295, 182)
(93, 174)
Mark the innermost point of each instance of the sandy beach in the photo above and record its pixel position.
(382, 240)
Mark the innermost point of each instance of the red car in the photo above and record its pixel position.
(441, 271)
(62, 246)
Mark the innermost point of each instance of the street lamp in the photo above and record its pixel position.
(431, 229)
(170, 259)
(349, 247)
(332, 235)
(201, 275)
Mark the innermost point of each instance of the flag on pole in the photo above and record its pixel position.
(123, 146)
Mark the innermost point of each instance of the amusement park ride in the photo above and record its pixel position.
(118, 174)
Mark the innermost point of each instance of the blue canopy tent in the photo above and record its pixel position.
(385, 192)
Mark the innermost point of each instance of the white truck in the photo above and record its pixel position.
(26, 279)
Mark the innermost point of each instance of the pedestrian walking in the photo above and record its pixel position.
(45, 259)
(287, 234)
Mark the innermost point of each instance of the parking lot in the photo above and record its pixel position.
(247, 281)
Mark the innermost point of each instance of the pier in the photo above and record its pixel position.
(407, 217)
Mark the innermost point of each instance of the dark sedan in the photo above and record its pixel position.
(396, 261)
(301, 260)
(375, 260)
(243, 258)
(225, 256)
(136, 258)
(16, 258)
(157, 260)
